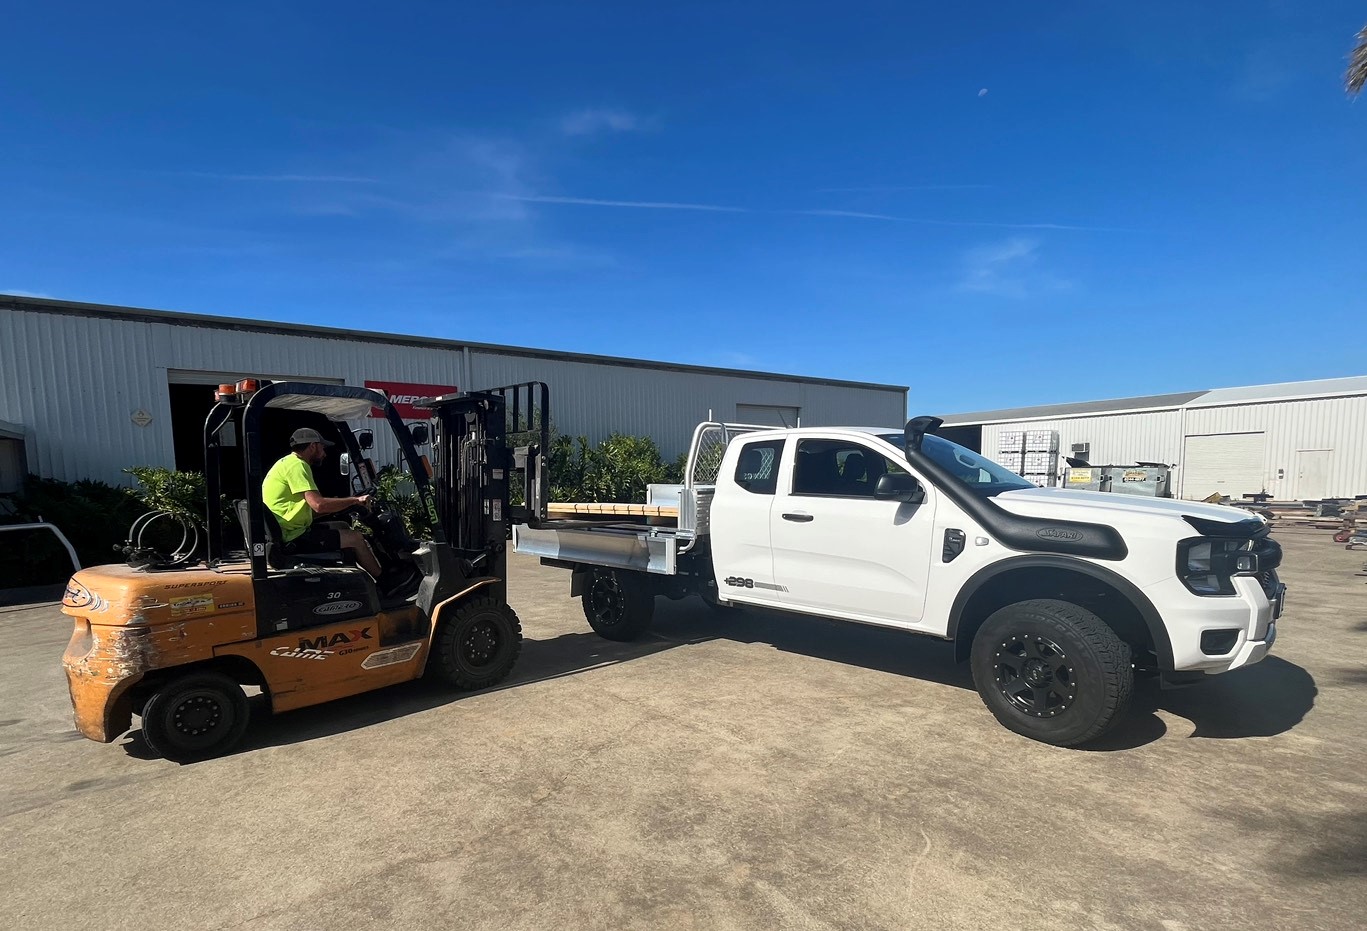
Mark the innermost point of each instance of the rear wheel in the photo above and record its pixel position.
(617, 605)
(1052, 671)
(477, 644)
(194, 717)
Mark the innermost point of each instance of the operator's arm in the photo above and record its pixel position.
(321, 505)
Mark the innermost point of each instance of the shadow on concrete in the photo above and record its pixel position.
(1264, 700)
(540, 660)
(879, 648)
(1338, 851)
(18, 599)
(1360, 627)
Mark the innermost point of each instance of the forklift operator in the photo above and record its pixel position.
(291, 494)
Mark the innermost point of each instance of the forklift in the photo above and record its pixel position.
(176, 642)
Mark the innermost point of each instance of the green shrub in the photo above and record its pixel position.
(179, 493)
(396, 487)
(616, 470)
(94, 516)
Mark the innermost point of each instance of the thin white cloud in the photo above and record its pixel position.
(847, 214)
(1009, 268)
(594, 120)
(926, 221)
(15, 292)
(632, 204)
(894, 188)
(289, 179)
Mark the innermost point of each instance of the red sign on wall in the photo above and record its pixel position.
(402, 394)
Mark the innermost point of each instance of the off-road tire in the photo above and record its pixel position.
(195, 717)
(617, 605)
(477, 644)
(1052, 671)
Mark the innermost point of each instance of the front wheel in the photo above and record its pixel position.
(617, 605)
(1052, 671)
(477, 644)
(194, 717)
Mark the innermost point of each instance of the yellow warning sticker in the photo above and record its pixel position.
(1079, 476)
(193, 604)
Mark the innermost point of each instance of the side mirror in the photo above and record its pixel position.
(365, 439)
(420, 433)
(898, 486)
(344, 463)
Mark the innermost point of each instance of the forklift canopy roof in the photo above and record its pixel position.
(332, 408)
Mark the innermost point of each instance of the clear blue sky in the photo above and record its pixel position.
(996, 203)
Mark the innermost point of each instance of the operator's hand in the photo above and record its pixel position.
(363, 501)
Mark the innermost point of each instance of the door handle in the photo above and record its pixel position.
(799, 517)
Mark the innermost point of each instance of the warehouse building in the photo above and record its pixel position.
(1295, 441)
(88, 390)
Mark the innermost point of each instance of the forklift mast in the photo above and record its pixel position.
(485, 483)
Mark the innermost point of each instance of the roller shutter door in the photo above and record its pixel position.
(1230, 463)
(767, 415)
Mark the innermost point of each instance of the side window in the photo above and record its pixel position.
(839, 468)
(757, 468)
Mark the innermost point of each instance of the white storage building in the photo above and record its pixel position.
(88, 390)
(1295, 441)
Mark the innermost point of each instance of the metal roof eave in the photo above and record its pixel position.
(177, 318)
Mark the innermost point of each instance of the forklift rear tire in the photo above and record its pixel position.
(617, 605)
(195, 717)
(477, 644)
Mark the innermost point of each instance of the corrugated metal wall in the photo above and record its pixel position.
(1338, 424)
(1154, 436)
(74, 381)
(667, 405)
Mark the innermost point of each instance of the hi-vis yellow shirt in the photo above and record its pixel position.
(282, 491)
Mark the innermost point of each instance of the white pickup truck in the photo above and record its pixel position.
(1056, 597)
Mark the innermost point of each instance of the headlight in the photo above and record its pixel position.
(1207, 565)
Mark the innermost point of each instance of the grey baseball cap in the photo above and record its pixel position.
(306, 435)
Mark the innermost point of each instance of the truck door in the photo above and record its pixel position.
(742, 556)
(838, 550)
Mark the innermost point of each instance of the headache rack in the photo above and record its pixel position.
(644, 537)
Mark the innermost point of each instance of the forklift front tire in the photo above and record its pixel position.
(195, 717)
(477, 644)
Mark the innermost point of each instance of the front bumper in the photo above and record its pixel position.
(1253, 611)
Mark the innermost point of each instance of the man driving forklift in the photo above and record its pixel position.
(290, 492)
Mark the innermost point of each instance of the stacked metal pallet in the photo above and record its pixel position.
(1011, 450)
(1031, 454)
(1041, 457)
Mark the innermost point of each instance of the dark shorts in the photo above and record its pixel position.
(319, 538)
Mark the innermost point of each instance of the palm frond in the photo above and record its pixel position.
(1356, 75)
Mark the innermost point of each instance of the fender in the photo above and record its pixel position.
(1162, 644)
(458, 596)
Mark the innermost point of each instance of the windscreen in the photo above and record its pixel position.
(980, 474)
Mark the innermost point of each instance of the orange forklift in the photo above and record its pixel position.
(176, 643)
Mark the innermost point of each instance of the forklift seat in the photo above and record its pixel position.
(276, 555)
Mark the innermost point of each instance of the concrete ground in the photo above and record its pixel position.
(732, 771)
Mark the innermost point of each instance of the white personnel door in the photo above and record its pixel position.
(837, 550)
(1312, 473)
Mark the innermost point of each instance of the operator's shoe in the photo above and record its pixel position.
(400, 583)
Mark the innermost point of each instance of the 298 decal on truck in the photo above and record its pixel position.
(1056, 597)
